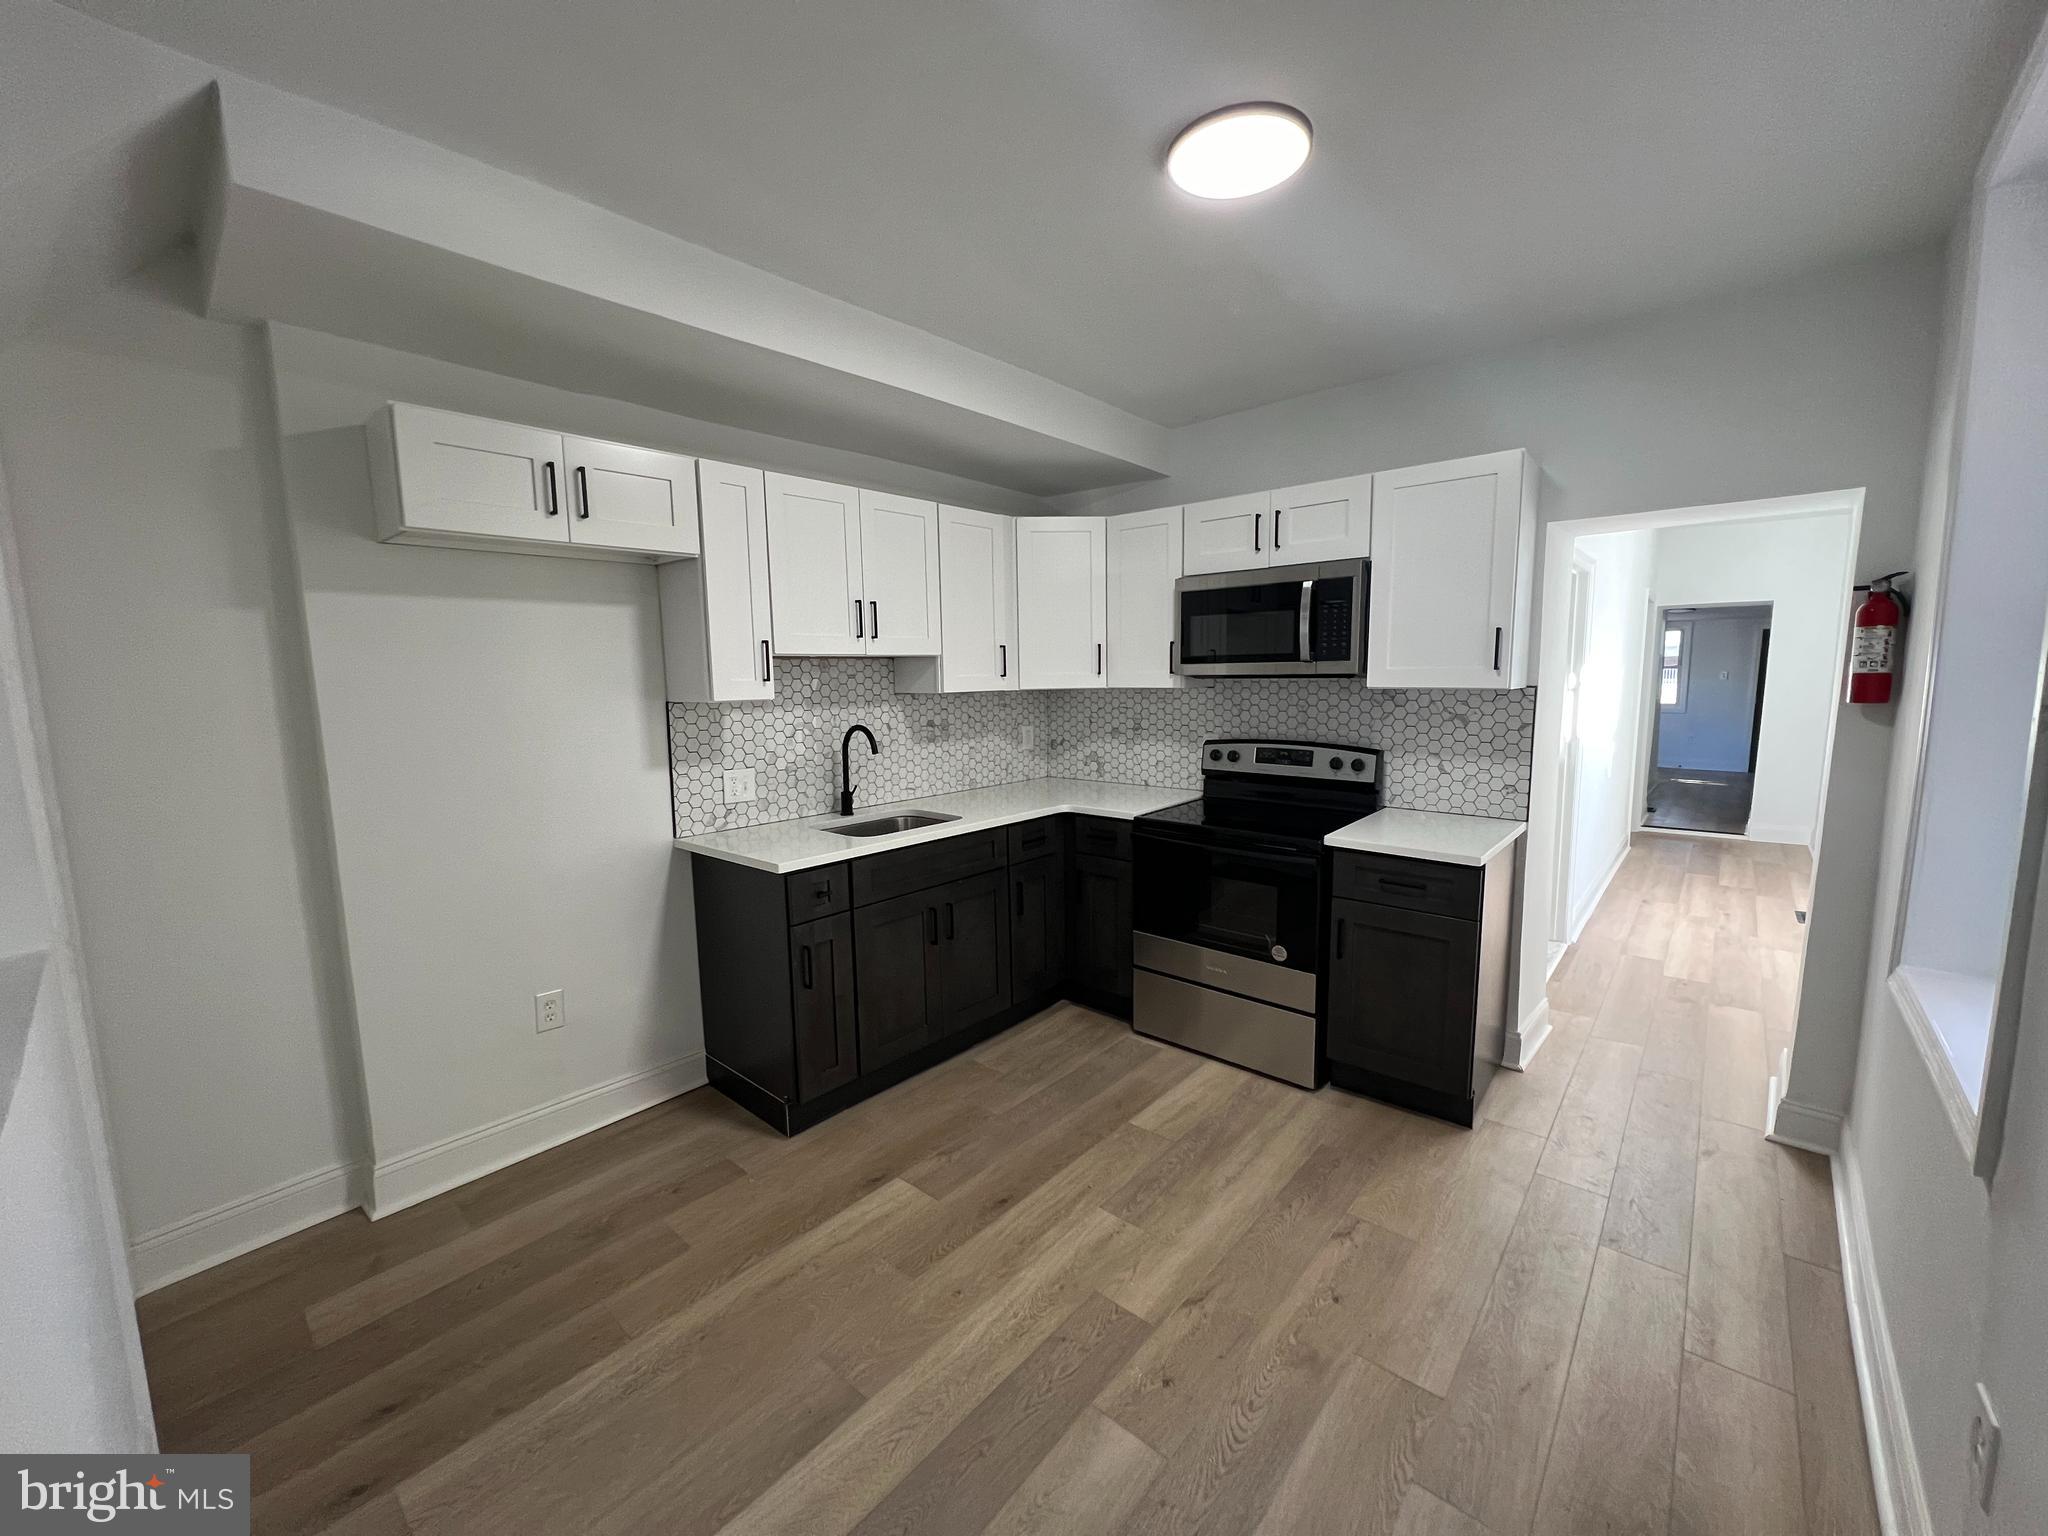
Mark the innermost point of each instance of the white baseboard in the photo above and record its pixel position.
(1894, 1467)
(411, 1177)
(1778, 832)
(1523, 1042)
(230, 1230)
(1801, 1125)
(1583, 913)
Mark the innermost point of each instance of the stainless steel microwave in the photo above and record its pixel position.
(1282, 621)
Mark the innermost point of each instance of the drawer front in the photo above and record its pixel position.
(1417, 885)
(816, 893)
(914, 869)
(1102, 837)
(1037, 839)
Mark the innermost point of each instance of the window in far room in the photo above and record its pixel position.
(1671, 676)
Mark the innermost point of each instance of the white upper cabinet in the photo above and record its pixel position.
(814, 572)
(631, 499)
(1144, 554)
(1453, 548)
(1061, 579)
(715, 629)
(977, 608)
(1234, 533)
(435, 472)
(899, 552)
(1327, 520)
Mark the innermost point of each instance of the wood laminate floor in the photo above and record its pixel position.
(1076, 1281)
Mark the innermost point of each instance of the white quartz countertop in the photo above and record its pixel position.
(781, 847)
(1437, 835)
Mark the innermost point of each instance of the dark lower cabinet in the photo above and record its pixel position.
(1038, 927)
(821, 989)
(1417, 993)
(1099, 930)
(972, 958)
(1403, 986)
(894, 943)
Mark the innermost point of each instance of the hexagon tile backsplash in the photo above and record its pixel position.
(1446, 749)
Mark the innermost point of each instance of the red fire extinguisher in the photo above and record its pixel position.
(1874, 642)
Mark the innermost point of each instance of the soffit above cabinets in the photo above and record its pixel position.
(323, 220)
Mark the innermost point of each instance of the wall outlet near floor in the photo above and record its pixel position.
(1985, 1435)
(548, 1011)
(739, 785)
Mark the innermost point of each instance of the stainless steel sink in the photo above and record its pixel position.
(876, 826)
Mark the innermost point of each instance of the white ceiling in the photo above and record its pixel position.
(990, 171)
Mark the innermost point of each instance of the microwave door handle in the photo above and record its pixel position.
(1308, 589)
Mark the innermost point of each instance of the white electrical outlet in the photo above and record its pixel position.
(739, 785)
(1984, 1438)
(548, 1011)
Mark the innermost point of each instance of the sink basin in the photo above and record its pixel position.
(876, 826)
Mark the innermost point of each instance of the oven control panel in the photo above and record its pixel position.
(1329, 762)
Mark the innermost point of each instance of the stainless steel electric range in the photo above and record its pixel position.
(1229, 902)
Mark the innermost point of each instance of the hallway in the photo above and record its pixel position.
(1669, 1016)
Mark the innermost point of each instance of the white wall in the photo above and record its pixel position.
(1817, 384)
(1710, 724)
(143, 477)
(1609, 801)
(1801, 567)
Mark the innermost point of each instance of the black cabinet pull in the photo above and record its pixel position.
(807, 967)
(1098, 658)
(1276, 526)
(1496, 647)
(582, 493)
(548, 469)
(859, 629)
(1003, 652)
(1257, 519)
(949, 920)
(931, 925)
(1340, 938)
(874, 621)
(1392, 884)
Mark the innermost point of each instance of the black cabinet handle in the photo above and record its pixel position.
(1340, 938)
(582, 493)
(807, 967)
(548, 469)
(1276, 526)
(1003, 652)
(1388, 882)
(1098, 658)
(1257, 519)
(1496, 647)
(949, 920)
(931, 924)
(766, 675)
(874, 621)
(859, 631)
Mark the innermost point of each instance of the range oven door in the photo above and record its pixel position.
(1289, 620)
(1242, 918)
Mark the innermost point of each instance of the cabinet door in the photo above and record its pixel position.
(1144, 563)
(632, 499)
(814, 567)
(1099, 935)
(715, 632)
(895, 948)
(1328, 520)
(1451, 550)
(821, 983)
(977, 601)
(464, 474)
(974, 952)
(1061, 574)
(1230, 534)
(899, 552)
(1038, 927)
(1404, 994)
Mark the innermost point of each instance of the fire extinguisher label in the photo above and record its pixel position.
(1872, 651)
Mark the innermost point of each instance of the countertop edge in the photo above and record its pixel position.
(1352, 839)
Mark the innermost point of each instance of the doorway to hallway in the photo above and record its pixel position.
(1712, 668)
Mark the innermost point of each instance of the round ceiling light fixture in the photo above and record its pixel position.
(1239, 150)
